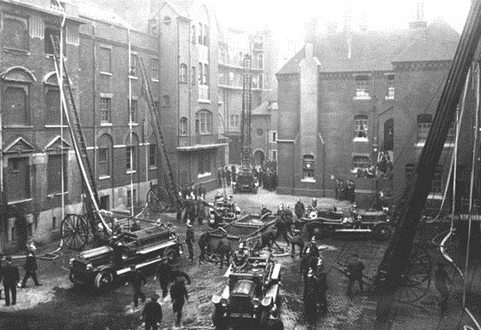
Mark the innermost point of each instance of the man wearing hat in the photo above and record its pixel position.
(240, 257)
(189, 240)
(354, 269)
(223, 249)
(31, 266)
(152, 313)
(311, 248)
(163, 273)
(11, 277)
(299, 241)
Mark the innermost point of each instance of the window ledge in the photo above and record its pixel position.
(18, 126)
(56, 126)
(133, 77)
(389, 97)
(203, 101)
(308, 180)
(360, 139)
(16, 51)
(435, 196)
(152, 167)
(105, 73)
(183, 82)
(131, 172)
(57, 194)
(106, 124)
(420, 144)
(449, 145)
(368, 97)
(155, 80)
(104, 177)
(133, 124)
(203, 175)
(20, 201)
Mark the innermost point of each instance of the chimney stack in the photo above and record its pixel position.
(418, 22)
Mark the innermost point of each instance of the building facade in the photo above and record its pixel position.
(351, 96)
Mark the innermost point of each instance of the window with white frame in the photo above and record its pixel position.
(183, 73)
(193, 35)
(131, 198)
(206, 74)
(131, 155)
(362, 87)
(308, 166)
(424, 125)
(154, 64)
(201, 32)
(260, 61)
(193, 75)
(52, 103)
(133, 65)
(360, 127)
(201, 73)
(272, 136)
(50, 31)
(105, 110)
(133, 107)
(390, 87)
(203, 122)
(183, 126)
(104, 156)
(234, 121)
(273, 155)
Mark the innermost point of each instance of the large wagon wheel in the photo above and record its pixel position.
(75, 231)
(157, 199)
(416, 281)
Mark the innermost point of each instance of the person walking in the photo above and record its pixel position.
(297, 240)
(135, 279)
(441, 280)
(178, 294)
(11, 277)
(31, 267)
(189, 240)
(223, 248)
(355, 268)
(152, 313)
(228, 176)
(164, 273)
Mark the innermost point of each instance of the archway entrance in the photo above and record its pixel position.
(259, 157)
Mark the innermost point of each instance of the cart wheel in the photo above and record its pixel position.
(313, 215)
(382, 232)
(75, 231)
(172, 254)
(104, 280)
(415, 283)
(157, 199)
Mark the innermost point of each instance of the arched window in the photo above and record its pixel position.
(308, 166)
(193, 75)
(15, 96)
(260, 61)
(183, 126)
(193, 36)
(183, 73)
(131, 153)
(360, 126)
(104, 156)
(203, 122)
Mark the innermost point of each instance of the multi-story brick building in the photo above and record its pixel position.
(349, 95)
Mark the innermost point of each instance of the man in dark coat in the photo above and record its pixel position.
(355, 268)
(200, 210)
(152, 313)
(281, 227)
(234, 173)
(351, 191)
(11, 277)
(228, 176)
(265, 210)
(203, 242)
(267, 239)
(136, 278)
(311, 248)
(223, 248)
(299, 241)
(201, 191)
(189, 240)
(31, 267)
(322, 289)
(441, 279)
(289, 219)
(1, 274)
(178, 294)
(164, 273)
(299, 209)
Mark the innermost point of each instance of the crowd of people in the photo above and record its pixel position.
(345, 190)
(265, 173)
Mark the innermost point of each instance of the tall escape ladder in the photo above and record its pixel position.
(246, 113)
(407, 214)
(91, 199)
(174, 197)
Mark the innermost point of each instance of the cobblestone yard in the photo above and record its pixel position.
(58, 305)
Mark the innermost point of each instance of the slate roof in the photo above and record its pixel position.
(376, 50)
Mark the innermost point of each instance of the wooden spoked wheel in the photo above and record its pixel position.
(157, 199)
(75, 231)
(416, 281)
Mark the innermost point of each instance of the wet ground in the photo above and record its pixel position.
(59, 305)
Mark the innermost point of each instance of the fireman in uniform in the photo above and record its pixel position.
(31, 267)
(189, 240)
(240, 257)
(135, 279)
(223, 248)
(163, 273)
(311, 248)
(178, 294)
(355, 268)
(299, 241)
(203, 242)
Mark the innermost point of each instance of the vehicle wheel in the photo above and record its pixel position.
(172, 254)
(317, 230)
(382, 232)
(217, 319)
(104, 280)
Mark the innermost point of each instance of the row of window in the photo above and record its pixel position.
(105, 64)
(235, 79)
(363, 92)
(203, 123)
(237, 59)
(203, 77)
(202, 36)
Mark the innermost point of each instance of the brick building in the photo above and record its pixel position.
(349, 95)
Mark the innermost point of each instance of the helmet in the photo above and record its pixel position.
(313, 239)
(241, 245)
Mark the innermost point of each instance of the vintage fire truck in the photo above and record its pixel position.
(106, 265)
(246, 181)
(251, 296)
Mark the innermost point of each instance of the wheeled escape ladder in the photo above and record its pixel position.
(246, 113)
(174, 197)
(91, 199)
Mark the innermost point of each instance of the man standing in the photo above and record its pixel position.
(164, 273)
(299, 209)
(228, 176)
(11, 277)
(135, 279)
(1, 274)
(355, 268)
(189, 240)
(441, 280)
(311, 248)
(152, 313)
(223, 248)
(200, 210)
(31, 267)
(297, 240)
(322, 287)
(178, 294)
(203, 242)
(281, 227)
